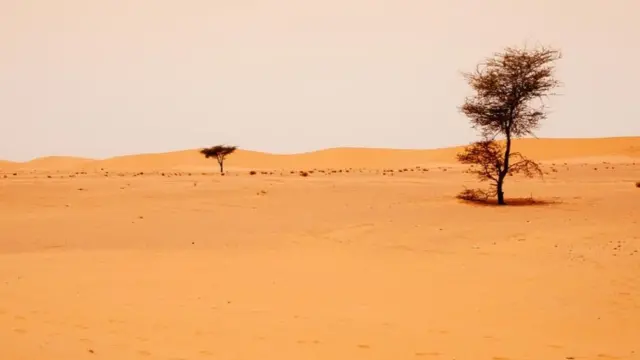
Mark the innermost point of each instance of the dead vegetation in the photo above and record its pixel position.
(483, 198)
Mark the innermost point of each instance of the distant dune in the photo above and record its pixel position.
(587, 150)
(6, 165)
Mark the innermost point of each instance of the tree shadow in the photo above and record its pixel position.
(510, 202)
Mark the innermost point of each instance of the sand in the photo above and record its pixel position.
(99, 261)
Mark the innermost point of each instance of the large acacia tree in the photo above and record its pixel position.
(220, 152)
(510, 88)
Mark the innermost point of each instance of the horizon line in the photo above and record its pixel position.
(310, 151)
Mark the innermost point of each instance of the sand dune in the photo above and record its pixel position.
(585, 150)
(50, 163)
(4, 164)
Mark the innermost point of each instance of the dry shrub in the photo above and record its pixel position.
(252, 172)
(474, 195)
(638, 184)
(487, 198)
(304, 173)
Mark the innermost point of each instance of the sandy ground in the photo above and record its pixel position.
(111, 264)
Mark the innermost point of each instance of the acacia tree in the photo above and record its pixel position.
(219, 152)
(510, 89)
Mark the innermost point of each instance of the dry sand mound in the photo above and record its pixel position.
(51, 163)
(6, 165)
(585, 150)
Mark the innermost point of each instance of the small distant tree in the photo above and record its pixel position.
(219, 152)
(510, 89)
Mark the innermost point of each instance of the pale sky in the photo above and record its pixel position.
(100, 78)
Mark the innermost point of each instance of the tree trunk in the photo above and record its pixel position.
(505, 170)
(500, 191)
(221, 166)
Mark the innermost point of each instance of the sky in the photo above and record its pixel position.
(103, 78)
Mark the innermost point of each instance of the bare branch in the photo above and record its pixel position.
(524, 166)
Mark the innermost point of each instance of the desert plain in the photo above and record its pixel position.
(371, 256)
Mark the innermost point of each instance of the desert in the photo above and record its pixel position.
(300, 180)
(370, 256)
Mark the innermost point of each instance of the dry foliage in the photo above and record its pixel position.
(474, 195)
(487, 160)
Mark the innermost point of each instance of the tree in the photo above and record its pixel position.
(219, 152)
(510, 89)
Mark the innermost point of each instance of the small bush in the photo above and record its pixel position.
(638, 184)
(475, 195)
(252, 172)
(304, 173)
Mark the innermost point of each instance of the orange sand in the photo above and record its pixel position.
(102, 264)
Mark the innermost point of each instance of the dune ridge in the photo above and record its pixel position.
(617, 149)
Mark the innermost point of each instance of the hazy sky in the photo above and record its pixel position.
(99, 78)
